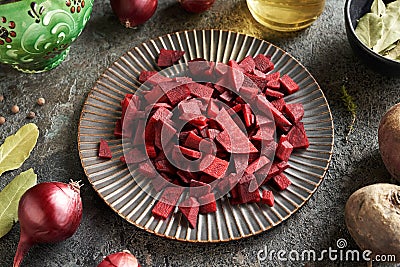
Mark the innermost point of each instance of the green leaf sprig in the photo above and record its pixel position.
(380, 29)
(351, 107)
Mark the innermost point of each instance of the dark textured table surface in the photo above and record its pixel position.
(322, 48)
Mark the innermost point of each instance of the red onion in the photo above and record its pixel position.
(48, 212)
(196, 6)
(120, 259)
(133, 12)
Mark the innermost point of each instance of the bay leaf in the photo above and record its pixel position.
(393, 53)
(369, 29)
(10, 196)
(378, 7)
(17, 148)
(391, 27)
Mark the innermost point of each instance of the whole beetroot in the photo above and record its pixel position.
(389, 140)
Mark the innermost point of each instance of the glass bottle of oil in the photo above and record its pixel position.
(286, 15)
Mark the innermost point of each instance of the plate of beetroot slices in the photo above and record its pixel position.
(232, 201)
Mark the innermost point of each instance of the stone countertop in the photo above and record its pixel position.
(322, 48)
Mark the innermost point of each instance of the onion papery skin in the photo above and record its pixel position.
(48, 212)
(132, 13)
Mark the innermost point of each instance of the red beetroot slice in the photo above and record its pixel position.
(247, 64)
(208, 203)
(104, 150)
(146, 74)
(232, 134)
(272, 93)
(297, 136)
(167, 58)
(295, 112)
(147, 169)
(281, 182)
(134, 155)
(200, 91)
(118, 129)
(190, 152)
(279, 104)
(177, 94)
(288, 84)
(284, 149)
(280, 120)
(198, 189)
(190, 209)
(263, 63)
(257, 164)
(273, 76)
(167, 202)
(267, 197)
(214, 166)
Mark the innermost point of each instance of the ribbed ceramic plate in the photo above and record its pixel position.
(113, 182)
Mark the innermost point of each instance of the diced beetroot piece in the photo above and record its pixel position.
(263, 63)
(221, 69)
(280, 120)
(154, 95)
(189, 107)
(118, 129)
(212, 133)
(138, 135)
(151, 151)
(235, 192)
(167, 131)
(247, 115)
(134, 155)
(208, 203)
(146, 74)
(104, 150)
(227, 96)
(147, 169)
(273, 85)
(279, 104)
(257, 164)
(164, 166)
(284, 151)
(225, 184)
(282, 165)
(167, 58)
(122, 159)
(297, 136)
(281, 182)
(266, 134)
(192, 141)
(162, 114)
(267, 198)
(288, 84)
(247, 64)
(248, 92)
(201, 69)
(276, 168)
(248, 197)
(190, 209)
(178, 94)
(220, 86)
(160, 183)
(213, 166)
(235, 143)
(167, 202)
(233, 138)
(207, 179)
(190, 153)
(212, 109)
(200, 91)
(234, 65)
(273, 76)
(235, 109)
(259, 73)
(295, 112)
(240, 100)
(186, 177)
(157, 135)
(260, 82)
(235, 76)
(198, 189)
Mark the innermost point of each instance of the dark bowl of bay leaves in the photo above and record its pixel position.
(373, 31)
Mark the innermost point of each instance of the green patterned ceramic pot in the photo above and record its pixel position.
(35, 36)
